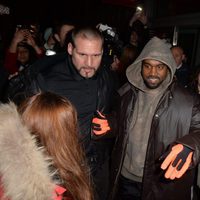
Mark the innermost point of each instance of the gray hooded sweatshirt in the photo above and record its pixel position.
(139, 123)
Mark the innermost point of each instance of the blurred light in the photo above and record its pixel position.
(4, 10)
(138, 9)
(175, 36)
(50, 52)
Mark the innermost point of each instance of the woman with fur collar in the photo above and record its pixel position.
(39, 151)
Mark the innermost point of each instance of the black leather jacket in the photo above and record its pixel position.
(177, 119)
(34, 80)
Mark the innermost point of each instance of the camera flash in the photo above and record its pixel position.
(139, 8)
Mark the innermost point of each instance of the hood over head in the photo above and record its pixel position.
(155, 49)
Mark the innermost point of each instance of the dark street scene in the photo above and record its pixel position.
(100, 100)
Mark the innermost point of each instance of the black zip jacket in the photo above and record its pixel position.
(57, 74)
(177, 119)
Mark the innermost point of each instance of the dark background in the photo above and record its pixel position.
(92, 9)
(112, 12)
(163, 16)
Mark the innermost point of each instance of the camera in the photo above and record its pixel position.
(112, 45)
(110, 35)
(106, 29)
(25, 27)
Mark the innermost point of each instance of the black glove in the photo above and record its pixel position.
(182, 156)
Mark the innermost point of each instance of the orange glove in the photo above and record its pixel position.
(100, 124)
(177, 162)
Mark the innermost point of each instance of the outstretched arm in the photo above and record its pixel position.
(138, 16)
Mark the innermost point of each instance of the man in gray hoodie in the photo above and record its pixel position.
(158, 141)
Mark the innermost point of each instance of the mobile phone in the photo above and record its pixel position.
(139, 9)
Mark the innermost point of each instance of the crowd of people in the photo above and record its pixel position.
(87, 116)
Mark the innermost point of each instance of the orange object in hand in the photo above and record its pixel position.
(100, 124)
(58, 192)
(177, 162)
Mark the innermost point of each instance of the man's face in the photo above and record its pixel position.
(22, 55)
(86, 55)
(154, 73)
(178, 55)
(63, 32)
(133, 38)
(62, 35)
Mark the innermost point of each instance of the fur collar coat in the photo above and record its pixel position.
(23, 168)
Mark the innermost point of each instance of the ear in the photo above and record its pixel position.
(56, 36)
(70, 48)
(183, 57)
(117, 60)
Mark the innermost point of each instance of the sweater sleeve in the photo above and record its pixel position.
(10, 63)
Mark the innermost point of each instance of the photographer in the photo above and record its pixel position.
(22, 51)
(138, 32)
(121, 60)
(112, 43)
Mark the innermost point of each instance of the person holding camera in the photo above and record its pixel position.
(138, 33)
(23, 51)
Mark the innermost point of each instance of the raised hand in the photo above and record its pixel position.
(177, 162)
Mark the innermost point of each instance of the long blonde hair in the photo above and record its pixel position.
(53, 120)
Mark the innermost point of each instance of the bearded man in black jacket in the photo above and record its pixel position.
(84, 78)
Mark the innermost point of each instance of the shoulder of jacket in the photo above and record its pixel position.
(47, 62)
(124, 89)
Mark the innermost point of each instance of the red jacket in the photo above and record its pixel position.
(11, 64)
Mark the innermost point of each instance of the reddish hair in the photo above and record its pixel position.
(53, 120)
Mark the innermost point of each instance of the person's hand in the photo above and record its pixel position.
(100, 124)
(19, 36)
(143, 18)
(177, 162)
(12, 75)
(51, 41)
(30, 40)
(138, 16)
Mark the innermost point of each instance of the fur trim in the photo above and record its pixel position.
(23, 168)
